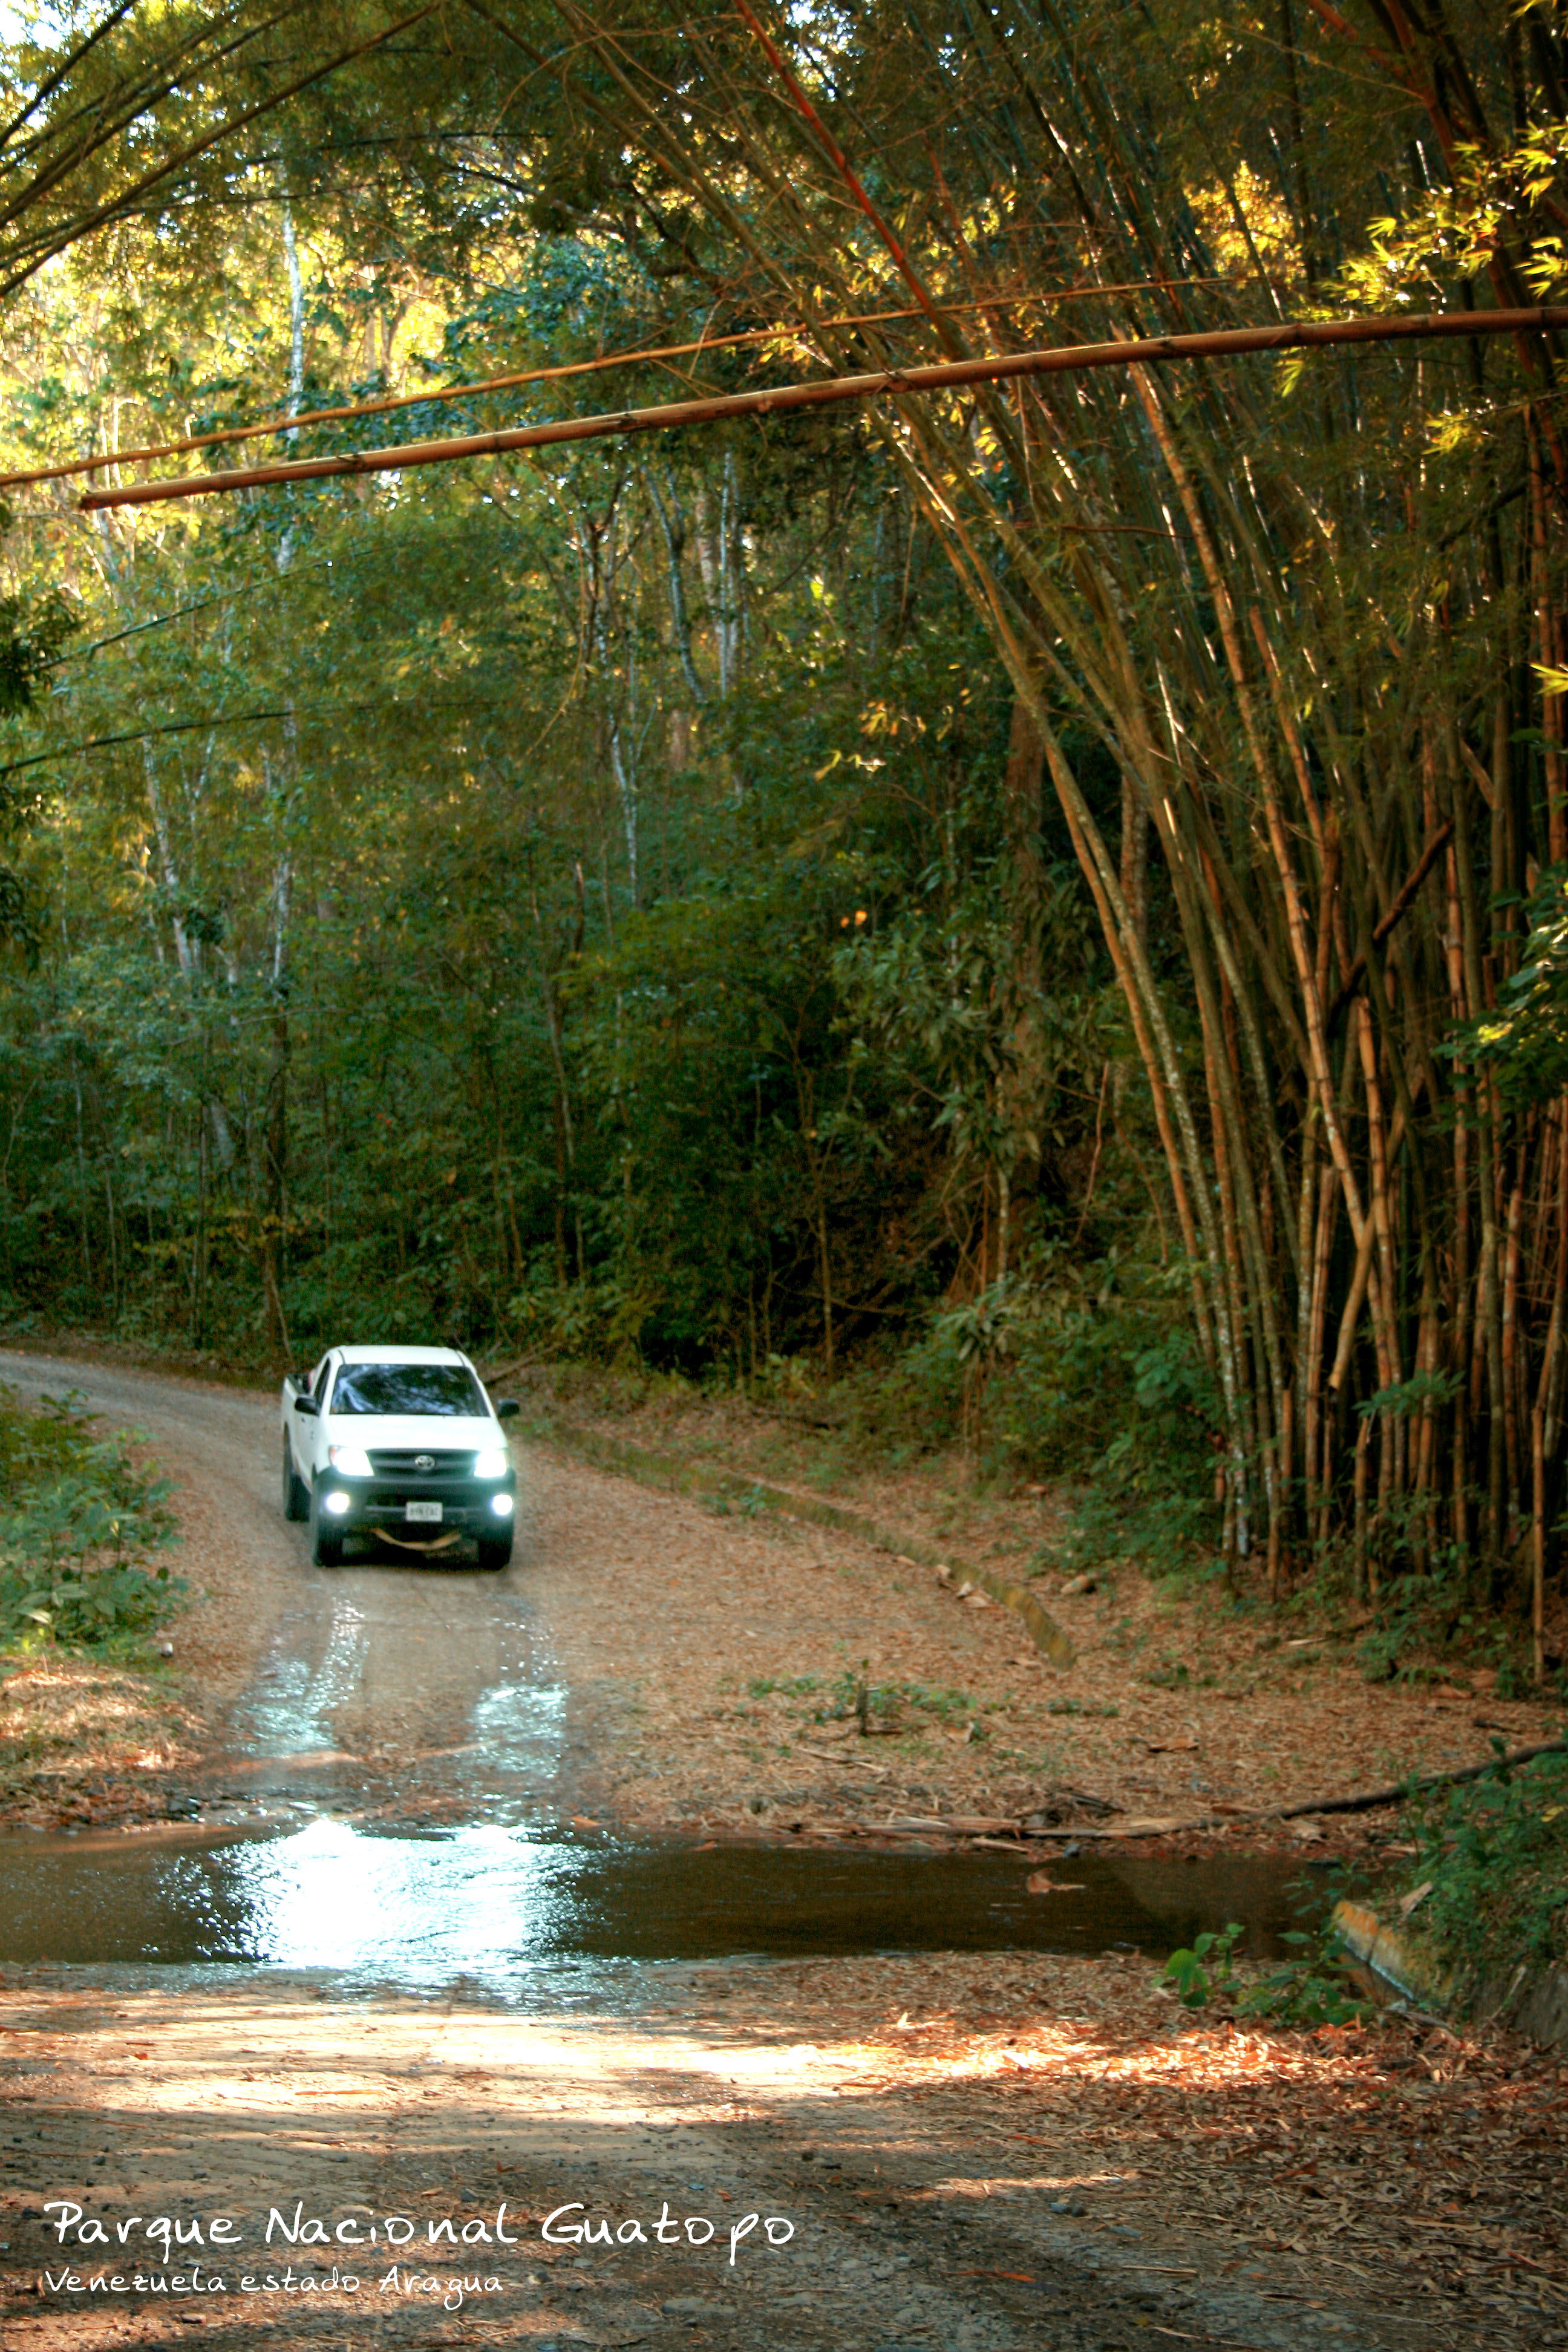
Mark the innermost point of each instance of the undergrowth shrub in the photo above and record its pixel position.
(1084, 1373)
(1492, 1855)
(80, 1524)
(1312, 1987)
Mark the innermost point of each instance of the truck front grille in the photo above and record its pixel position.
(408, 1464)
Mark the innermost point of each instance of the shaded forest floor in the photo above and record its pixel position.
(979, 2152)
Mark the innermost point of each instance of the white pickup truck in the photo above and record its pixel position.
(401, 1443)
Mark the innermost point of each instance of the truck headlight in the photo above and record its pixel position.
(349, 1460)
(490, 1462)
(501, 1505)
(336, 1504)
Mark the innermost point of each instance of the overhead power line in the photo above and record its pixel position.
(831, 391)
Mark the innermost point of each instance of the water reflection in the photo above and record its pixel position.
(492, 1904)
(402, 1907)
(520, 1727)
(292, 1713)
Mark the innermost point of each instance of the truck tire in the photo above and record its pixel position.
(326, 1543)
(495, 1551)
(296, 1494)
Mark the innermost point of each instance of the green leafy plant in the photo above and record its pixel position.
(1311, 1988)
(1205, 1971)
(1308, 1988)
(784, 1686)
(885, 1705)
(78, 1531)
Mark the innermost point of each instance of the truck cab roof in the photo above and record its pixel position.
(399, 1355)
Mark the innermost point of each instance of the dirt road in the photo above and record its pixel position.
(665, 1664)
(317, 1674)
(955, 2159)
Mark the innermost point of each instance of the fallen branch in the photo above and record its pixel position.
(831, 1756)
(1371, 1799)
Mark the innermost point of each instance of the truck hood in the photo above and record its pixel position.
(437, 1433)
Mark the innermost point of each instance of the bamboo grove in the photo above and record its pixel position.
(1283, 651)
(1311, 612)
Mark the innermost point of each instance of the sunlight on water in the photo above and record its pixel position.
(520, 1724)
(293, 1715)
(411, 1908)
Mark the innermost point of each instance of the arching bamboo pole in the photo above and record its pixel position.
(833, 391)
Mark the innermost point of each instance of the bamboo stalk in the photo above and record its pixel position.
(1279, 1517)
(1365, 1582)
(1546, 634)
(1148, 350)
(634, 355)
(1538, 1541)
(1551, 1390)
(1317, 1464)
(1509, 1339)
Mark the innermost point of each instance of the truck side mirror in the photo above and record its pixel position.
(307, 1405)
(508, 1409)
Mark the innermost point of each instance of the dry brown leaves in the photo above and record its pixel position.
(1255, 1723)
(72, 1731)
(1419, 2167)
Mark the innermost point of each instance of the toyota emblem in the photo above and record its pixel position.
(425, 1462)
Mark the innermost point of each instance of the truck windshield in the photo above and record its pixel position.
(408, 1388)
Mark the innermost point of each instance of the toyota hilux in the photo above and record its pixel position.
(402, 1444)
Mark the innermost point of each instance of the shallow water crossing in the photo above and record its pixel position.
(493, 1906)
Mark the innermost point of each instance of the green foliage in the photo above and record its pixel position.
(1106, 1386)
(1309, 1989)
(752, 1503)
(609, 908)
(1090, 1375)
(1312, 1987)
(1424, 1615)
(1494, 1855)
(1205, 1971)
(1524, 1042)
(34, 633)
(80, 1521)
(852, 1696)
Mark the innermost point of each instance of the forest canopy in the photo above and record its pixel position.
(1041, 902)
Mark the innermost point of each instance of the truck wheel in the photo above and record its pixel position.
(296, 1494)
(495, 1551)
(326, 1543)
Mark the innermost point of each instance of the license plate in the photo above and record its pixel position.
(427, 1514)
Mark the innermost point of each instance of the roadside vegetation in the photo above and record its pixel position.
(1486, 1893)
(88, 1706)
(83, 1531)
